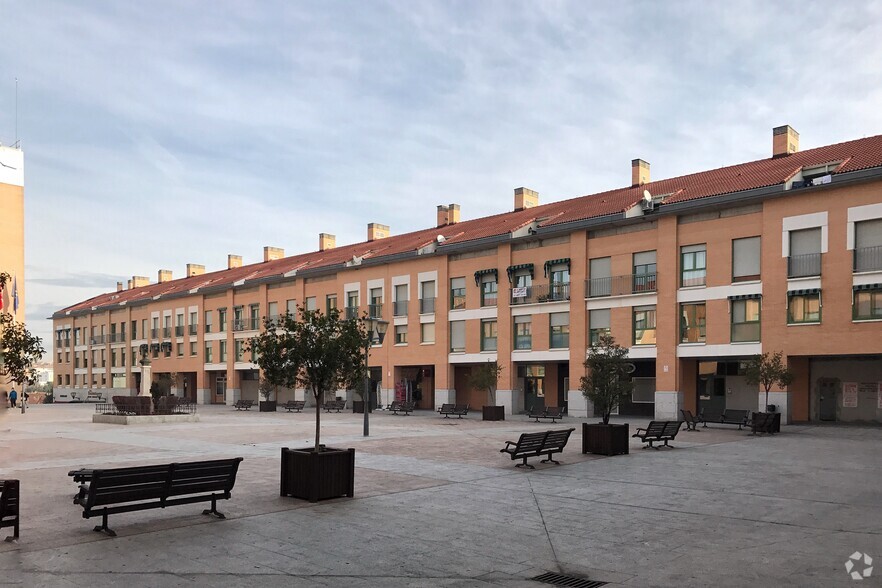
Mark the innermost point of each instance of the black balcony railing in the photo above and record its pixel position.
(868, 259)
(179, 331)
(351, 312)
(192, 329)
(117, 337)
(254, 323)
(620, 285)
(240, 324)
(166, 332)
(554, 292)
(801, 266)
(375, 310)
(399, 308)
(154, 333)
(427, 305)
(98, 339)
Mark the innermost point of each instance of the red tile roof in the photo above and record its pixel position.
(855, 155)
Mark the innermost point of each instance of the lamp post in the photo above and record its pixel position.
(376, 332)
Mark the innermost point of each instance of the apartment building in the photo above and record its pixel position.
(12, 232)
(693, 274)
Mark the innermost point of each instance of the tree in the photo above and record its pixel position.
(20, 351)
(486, 377)
(607, 381)
(319, 352)
(768, 370)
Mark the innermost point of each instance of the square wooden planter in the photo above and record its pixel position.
(267, 406)
(318, 476)
(358, 407)
(605, 439)
(494, 413)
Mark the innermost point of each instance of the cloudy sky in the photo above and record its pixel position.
(162, 133)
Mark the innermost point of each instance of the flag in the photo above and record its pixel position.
(14, 295)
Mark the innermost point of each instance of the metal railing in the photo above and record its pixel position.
(179, 331)
(868, 259)
(154, 333)
(375, 310)
(801, 266)
(97, 339)
(523, 342)
(166, 332)
(489, 298)
(117, 337)
(620, 285)
(427, 305)
(399, 308)
(62, 342)
(554, 292)
(192, 329)
(351, 312)
(240, 324)
(254, 323)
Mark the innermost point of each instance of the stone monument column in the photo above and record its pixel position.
(145, 372)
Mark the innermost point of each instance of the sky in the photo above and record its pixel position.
(158, 134)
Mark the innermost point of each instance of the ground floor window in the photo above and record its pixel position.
(523, 332)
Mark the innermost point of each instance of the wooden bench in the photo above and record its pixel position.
(549, 412)
(728, 417)
(690, 420)
(404, 408)
(544, 443)
(336, 405)
(112, 491)
(94, 396)
(460, 410)
(295, 405)
(9, 498)
(658, 431)
(243, 404)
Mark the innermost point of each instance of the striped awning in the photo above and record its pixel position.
(521, 266)
(868, 287)
(745, 297)
(804, 292)
(553, 262)
(484, 272)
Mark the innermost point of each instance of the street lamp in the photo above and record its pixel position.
(376, 332)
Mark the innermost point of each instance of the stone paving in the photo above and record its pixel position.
(437, 505)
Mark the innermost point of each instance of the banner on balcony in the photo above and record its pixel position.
(519, 292)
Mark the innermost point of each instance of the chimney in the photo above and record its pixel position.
(377, 231)
(129, 285)
(327, 241)
(452, 214)
(273, 253)
(525, 198)
(639, 172)
(234, 261)
(138, 281)
(119, 286)
(194, 269)
(164, 276)
(785, 141)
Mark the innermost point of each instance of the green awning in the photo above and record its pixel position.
(484, 272)
(745, 297)
(521, 266)
(553, 262)
(868, 287)
(804, 292)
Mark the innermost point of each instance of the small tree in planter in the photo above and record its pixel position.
(19, 352)
(486, 377)
(266, 390)
(768, 370)
(606, 383)
(269, 351)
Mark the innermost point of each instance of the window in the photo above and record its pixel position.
(745, 259)
(488, 335)
(192, 348)
(868, 303)
(113, 358)
(223, 351)
(805, 253)
(560, 330)
(868, 245)
(400, 305)
(208, 349)
(746, 320)
(180, 349)
(522, 279)
(523, 332)
(803, 306)
(457, 336)
(154, 332)
(457, 293)
(222, 319)
(291, 307)
(598, 324)
(401, 334)
(273, 311)
(254, 311)
(166, 345)
(122, 358)
(693, 319)
(559, 287)
(693, 265)
(427, 297)
(376, 306)
(330, 303)
(644, 272)
(166, 326)
(310, 303)
(644, 325)
(352, 305)
(134, 330)
(427, 332)
(238, 318)
(489, 289)
(193, 319)
(207, 321)
(239, 349)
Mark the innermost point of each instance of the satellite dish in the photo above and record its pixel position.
(440, 238)
(647, 196)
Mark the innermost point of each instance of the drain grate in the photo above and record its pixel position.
(561, 580)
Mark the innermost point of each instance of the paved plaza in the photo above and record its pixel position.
(437, 505)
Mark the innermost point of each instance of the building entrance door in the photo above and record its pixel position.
(828, 390)
(220, 389)
(534, 393)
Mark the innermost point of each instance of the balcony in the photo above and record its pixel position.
(98, 340)
(179, 331)
(621, 285)
(240, 324)
(117, 337)
(351, 312)
(154, 333)
(868, 259)
(554, 292)
(255, 323)
(427, 305)
(192, 329)
(166, 332)
(375, 310)
(803, 266)
(399, 308)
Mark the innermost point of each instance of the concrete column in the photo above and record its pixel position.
(145, 380)
(781, 400)
(443, 396)
(507, 399)
(668, 405)
(233, 396)
(578, 405)
(203, 396)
